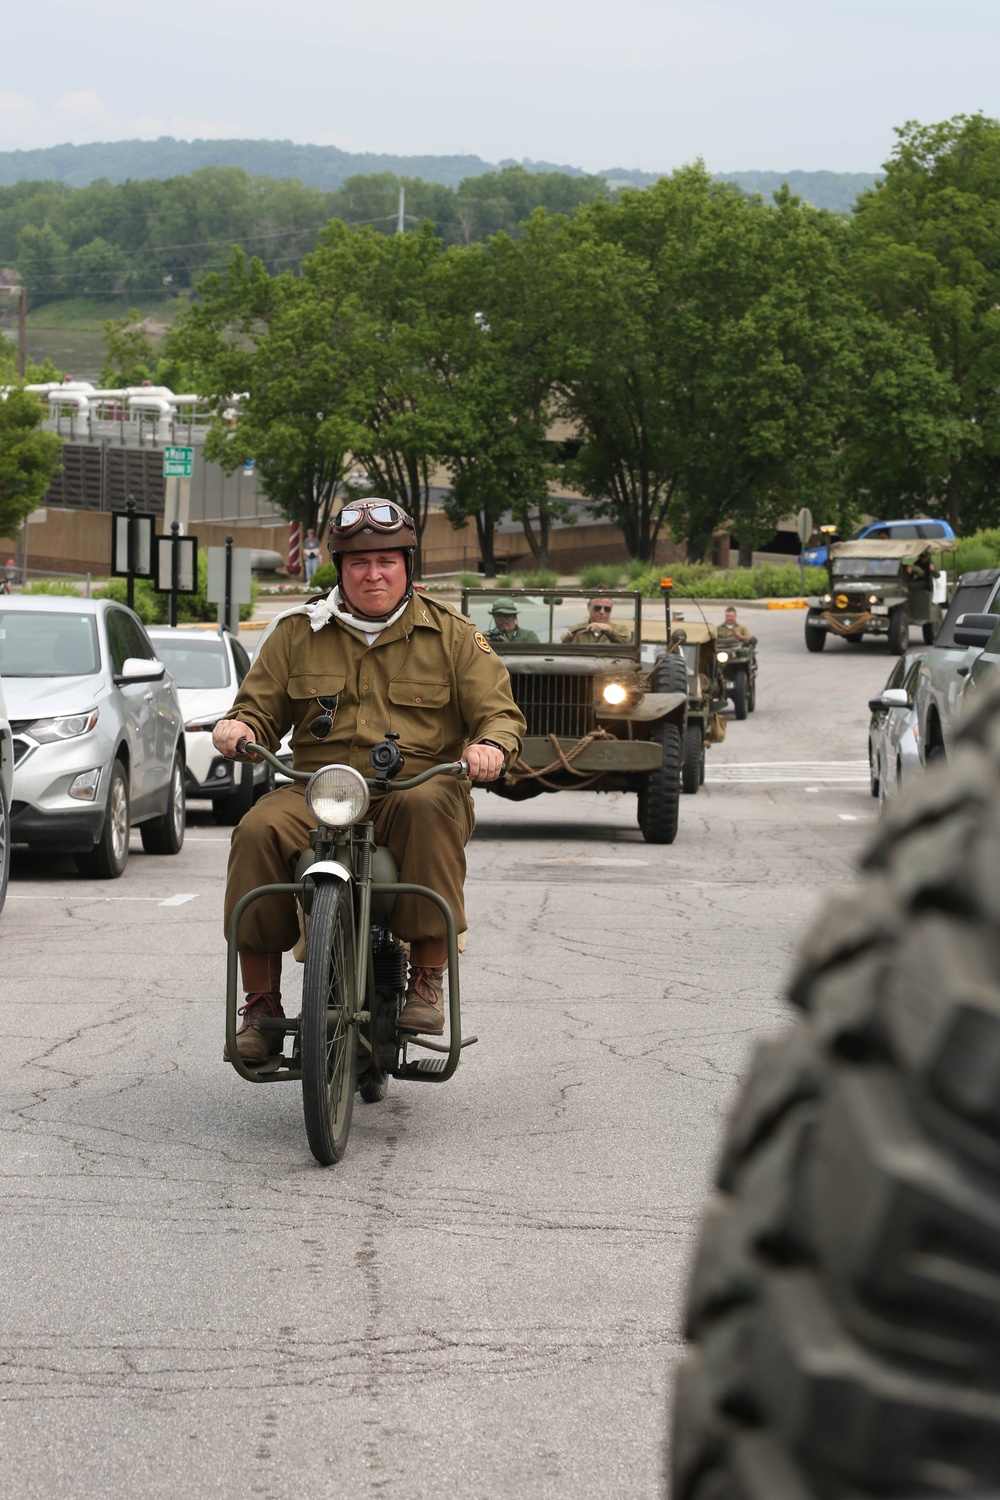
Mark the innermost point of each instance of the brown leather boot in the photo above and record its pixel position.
(423, 1008)
(254, 1045)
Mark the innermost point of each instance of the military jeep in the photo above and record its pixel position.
(738, 659)
(595, 720)
(708, 695)
(879, 588)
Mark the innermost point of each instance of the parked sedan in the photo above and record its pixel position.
(97, 732)
(893, 734)
(207, 667)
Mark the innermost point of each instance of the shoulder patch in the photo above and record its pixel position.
(482, 642)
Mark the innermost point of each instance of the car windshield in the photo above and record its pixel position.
(601, 623)
(44, 643)
(194, 663)
(865, 567)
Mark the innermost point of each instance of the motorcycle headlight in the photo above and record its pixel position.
(337, 796)
(722, 655)
(65, 727)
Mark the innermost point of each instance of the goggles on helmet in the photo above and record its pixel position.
(381, 515)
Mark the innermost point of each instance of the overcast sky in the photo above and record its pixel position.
(768, 84)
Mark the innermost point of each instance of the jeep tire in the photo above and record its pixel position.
(815, 637)
(844, 1304)
(693, 773)
(899, 630)
(660, 796)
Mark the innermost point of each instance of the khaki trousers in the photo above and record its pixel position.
(426, 829)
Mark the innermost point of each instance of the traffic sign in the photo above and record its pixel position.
(178, 463)
(804, 525)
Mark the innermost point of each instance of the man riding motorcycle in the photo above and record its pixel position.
(381, 658)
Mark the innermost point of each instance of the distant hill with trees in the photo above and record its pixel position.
(329, 169)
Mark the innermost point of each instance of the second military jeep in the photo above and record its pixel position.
(708, 693)
(595, 720)
(880, 588)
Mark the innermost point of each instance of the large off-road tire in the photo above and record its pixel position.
(752, 698)
(844, 1304)
(899, 631)
(660, 797)
(165, 835)
(109, 856)
(327, 1031)
(741, 693)
(815, 637)
(670, 675)
(693, 773)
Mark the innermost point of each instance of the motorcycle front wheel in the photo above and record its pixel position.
(327, 1031)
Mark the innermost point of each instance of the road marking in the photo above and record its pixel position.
(789, 772)
(586, 859)
(179, 900)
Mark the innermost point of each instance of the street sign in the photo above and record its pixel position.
(229, 581)
(804, 525)
(176, 565)
(131, 544)
(178, 463)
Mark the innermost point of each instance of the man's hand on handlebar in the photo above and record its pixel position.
(485, 762)
(226, 735)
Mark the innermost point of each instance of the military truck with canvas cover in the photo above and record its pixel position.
(595, 720)
(880, 588)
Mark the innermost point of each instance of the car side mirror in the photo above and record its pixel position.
(895, 698)
(140, 669)
(975, 630)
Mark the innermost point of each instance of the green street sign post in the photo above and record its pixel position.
(178, 463)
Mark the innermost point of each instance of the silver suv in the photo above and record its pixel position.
(946, 665)
(6, 784)
(97, 732)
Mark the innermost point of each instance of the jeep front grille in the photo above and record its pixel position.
(560, 705)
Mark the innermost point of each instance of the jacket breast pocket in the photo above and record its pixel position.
(305, 687)
(419, 712)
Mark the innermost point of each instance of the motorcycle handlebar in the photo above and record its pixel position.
(261, 752)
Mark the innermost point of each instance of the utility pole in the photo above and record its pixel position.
(402, 210)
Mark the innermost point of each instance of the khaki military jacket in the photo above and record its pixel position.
(430, 676)
(584, 635)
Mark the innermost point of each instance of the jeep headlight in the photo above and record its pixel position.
(722, 655)
(873, 598)
(614, 693)
(337, 796)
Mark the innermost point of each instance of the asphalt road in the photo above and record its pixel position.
(484, 1297)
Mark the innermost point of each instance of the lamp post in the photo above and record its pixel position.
(21, 315)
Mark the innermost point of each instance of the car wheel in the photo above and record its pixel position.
(165, 835)
(228, 810)
(4, 845)
(740, 694)
(843, 1304)
(815, 637)
(108, 858)
(752, 694)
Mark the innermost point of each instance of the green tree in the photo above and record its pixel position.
(129, 356)
(29, 459)
(44, 264)
(497, 370)
(927, 259)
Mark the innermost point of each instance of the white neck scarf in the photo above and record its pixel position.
(321, 611)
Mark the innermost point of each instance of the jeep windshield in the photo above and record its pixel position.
(561, 618)
(865, 567)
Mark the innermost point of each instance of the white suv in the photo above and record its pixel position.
(96, 732)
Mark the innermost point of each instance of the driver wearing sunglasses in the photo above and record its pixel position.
(340, 671)
(597, 626)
